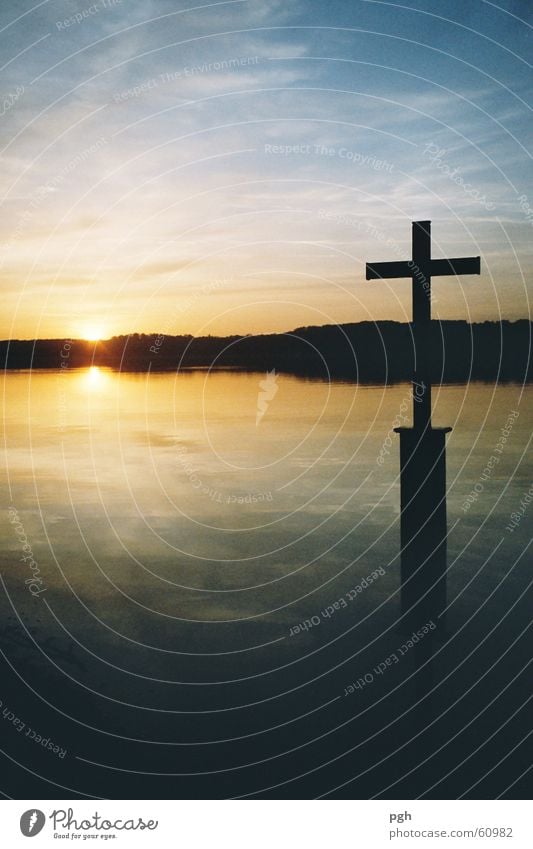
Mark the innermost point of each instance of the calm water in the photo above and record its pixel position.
(180, 536)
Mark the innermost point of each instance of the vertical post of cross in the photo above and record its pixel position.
(421, 325)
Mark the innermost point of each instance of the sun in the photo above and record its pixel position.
(92, 333)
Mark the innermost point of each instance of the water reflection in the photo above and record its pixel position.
(181, 541)
(95, 378)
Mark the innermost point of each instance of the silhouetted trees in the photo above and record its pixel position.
(367, 351)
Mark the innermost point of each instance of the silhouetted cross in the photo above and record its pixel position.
(421, 269)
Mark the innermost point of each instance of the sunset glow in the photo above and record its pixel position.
(231, 168)
(266, 420)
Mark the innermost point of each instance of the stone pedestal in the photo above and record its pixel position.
(423, 526)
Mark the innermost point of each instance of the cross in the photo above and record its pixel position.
(423, 527)
(421, 268)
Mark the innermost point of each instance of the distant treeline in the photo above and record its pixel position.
(373, 352)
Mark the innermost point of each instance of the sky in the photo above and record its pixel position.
(229, 167)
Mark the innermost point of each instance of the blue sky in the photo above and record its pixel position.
(230, 167)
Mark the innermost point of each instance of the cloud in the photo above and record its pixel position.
(161, 268)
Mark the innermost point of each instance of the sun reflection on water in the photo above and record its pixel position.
(95, 379)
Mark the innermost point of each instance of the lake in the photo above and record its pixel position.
(180, 528)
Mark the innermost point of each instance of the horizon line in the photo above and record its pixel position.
(244, 335)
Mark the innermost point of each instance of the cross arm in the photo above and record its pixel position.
(388, 270)
(464, 265)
